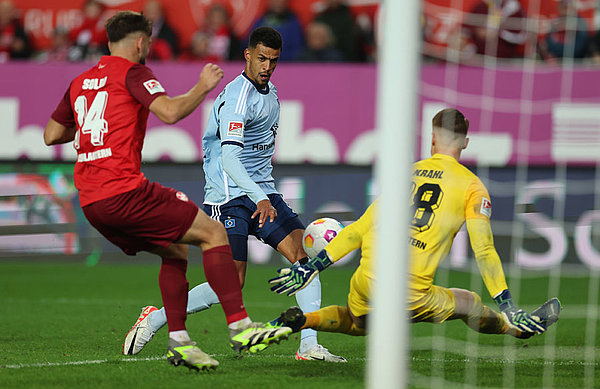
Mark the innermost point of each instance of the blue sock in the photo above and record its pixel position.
(309, 300)
(201, 297)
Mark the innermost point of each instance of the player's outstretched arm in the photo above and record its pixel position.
(295, 278)
(172, 109)
(488, 261)
(491, 271)
(55, 133)
(292, 279)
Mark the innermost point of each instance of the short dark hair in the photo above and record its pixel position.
(124, 23)
(451, 119)
(266, 36)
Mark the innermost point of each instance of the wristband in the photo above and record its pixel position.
(504, 300)
(321, 261)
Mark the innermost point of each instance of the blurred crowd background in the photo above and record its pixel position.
(323, 31)
(465, 31)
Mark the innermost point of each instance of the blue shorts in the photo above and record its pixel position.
(235, 216)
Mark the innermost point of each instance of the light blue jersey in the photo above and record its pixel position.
(239, 142)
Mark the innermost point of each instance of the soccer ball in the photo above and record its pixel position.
(318, 234)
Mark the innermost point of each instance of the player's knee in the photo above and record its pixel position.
(359, 326)
(180, 251)
(359, 322)
(464, 301)
(173, 251)
(214, 235)
(217, 229)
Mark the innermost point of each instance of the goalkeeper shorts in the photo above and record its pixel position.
(435, 305)
(358, 297)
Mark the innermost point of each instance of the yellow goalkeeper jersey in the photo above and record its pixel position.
(360, 234)
(444, 195)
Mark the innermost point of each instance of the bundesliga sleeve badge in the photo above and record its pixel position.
(235, 129)
(153, 86)
(486, 207)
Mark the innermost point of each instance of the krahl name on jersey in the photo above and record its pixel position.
(428, 173)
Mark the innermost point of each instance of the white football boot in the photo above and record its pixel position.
(140, 334)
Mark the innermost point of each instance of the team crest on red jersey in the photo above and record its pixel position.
(153, 86)
(182, 196)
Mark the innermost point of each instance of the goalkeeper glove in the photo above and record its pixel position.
(292, 279)
(515, 317)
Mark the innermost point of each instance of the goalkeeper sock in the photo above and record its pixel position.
(309, 300)
(332, 318)
(483, 319)
(201, 297)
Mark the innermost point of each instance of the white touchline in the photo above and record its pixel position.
(101, 361)
(72, 363)
(415, 359)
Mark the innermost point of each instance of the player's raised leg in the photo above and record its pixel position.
(223, 283)
(222, 276)
(152, 319)
(200, 297)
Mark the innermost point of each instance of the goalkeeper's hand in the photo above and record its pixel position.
(295, 278)
(516, 317)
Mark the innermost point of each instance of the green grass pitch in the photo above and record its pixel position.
(62, 325)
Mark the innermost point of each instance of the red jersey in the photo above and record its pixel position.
(109, 105)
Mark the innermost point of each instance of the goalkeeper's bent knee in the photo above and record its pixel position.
(483, 319)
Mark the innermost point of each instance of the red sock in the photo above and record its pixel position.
(174, 290)
(222, 277)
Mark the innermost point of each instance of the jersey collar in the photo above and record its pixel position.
(112, 59)
(444, 156)
(264, 91)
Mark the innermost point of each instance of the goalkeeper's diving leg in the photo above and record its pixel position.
(349, 320)
(332, 318)
(481, 318)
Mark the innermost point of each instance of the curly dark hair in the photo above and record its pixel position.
(266, 36)
(124, 23)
